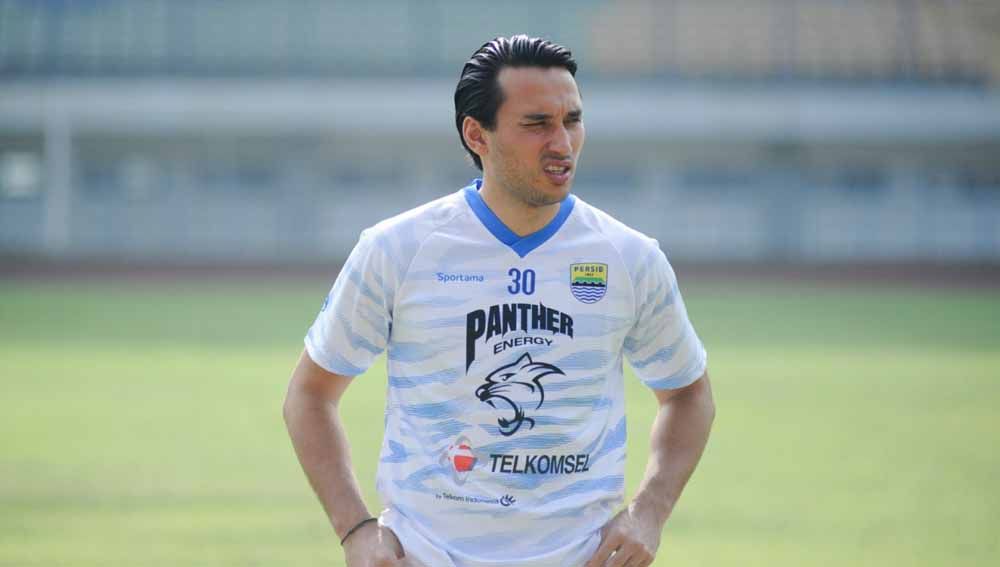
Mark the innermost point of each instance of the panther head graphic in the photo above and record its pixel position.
(511, 384)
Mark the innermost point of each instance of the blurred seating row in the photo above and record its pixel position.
(839, 39)
(881, 40)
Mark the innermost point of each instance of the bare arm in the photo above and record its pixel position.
(678, 438)
(313, 421)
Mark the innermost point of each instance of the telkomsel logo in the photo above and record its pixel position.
(460, 458)
(511, 386)
(540, 464)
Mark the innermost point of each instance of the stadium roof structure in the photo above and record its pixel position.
(424, 108)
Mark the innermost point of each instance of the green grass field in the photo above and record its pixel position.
(141, 425)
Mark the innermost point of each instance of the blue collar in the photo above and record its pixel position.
(522, 245)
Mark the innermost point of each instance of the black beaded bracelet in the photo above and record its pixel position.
(355, 528)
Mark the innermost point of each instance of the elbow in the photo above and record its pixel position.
(710, 410)
(310, 392)
(287, 408)
(292, 404)
(706, 399)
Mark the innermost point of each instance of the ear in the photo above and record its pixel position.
(475, 137)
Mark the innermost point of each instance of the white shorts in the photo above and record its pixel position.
(420, 552)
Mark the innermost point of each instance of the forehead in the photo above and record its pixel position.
(537, 89)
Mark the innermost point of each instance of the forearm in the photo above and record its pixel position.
(323, 450)
(678, 438)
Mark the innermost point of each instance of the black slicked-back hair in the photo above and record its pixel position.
(478, 92)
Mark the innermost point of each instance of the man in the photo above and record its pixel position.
(506, 309)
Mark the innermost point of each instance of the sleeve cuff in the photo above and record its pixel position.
(331, 362)
(683, 377)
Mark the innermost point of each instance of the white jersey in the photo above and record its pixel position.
(505, 419)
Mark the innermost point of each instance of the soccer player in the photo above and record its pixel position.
(506, 309)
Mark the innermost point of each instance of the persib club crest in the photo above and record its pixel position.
(588, 282)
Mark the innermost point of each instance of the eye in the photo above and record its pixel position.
(506, 376)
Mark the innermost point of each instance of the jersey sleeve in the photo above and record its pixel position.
(662, 346)
(353, 326)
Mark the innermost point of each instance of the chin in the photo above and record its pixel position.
(559, 191)
(543, 193)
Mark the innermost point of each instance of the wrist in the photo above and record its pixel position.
(358, 526)
(347, 515)
(651, 508)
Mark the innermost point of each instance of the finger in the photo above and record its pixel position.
(621, 557)
(640, 558)
(600, 557)
(630, 554)
(385, 557)
(394, 542)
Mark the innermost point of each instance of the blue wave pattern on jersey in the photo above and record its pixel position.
(443, 323)
(585, 360)
(542, 441)
(610, 483)
(414, 352)
(664, 354)
(585, 382)
(544, 420)
(448, 376)
(600, 325)
(443, 301)
(357, 341)
(591, 402)
(436, 410)
(682, 377)
(442, 430)
(417, 480)
(410, 287)
(614, 440)
(397, 453)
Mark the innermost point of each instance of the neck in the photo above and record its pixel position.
(520, 217)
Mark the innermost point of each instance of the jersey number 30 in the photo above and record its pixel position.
(521, 282)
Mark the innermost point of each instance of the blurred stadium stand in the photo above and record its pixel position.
(261, 131)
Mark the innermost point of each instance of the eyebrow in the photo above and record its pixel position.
(543, 116)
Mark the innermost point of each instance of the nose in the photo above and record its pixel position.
(561, 143)
(483, 391)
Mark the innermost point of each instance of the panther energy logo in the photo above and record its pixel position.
(482, 325)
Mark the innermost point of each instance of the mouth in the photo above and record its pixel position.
(558, 172)
(484, 394)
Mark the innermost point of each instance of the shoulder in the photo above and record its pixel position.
(420, 221)
(633, 246)
(397, 239)
(408, 229)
